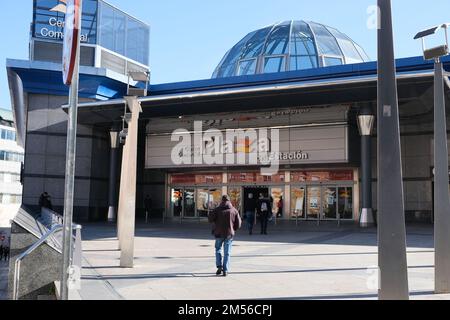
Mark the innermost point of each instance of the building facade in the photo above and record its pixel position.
(11, 161)
(288, 94)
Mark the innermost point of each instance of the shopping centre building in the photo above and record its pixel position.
(305, 89)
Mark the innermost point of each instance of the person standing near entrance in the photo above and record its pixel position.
(264, 208)
(148, 203)
(250, 211)
(226, 221)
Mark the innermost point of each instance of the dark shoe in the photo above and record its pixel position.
(225, 274)
(219, 271)
(250, 233)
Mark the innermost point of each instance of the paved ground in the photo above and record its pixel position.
(176, 262)
(3, 280)
(4, 267)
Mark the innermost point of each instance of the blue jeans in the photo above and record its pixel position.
(250, 217)
(227, 245)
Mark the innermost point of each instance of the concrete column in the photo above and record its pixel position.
(366, 121)
(127, 197)
(441, 195)
(114, 157)
(392, 259)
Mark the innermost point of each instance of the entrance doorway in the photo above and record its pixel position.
(254, 193)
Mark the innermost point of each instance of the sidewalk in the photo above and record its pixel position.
(176, 261)
(4, 270)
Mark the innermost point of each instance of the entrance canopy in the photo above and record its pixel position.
(349, 84)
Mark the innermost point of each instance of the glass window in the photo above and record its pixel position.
(138, 36)
(349, 50)
(247, 67)
(303, 62)
(278, 40)
(228, 65)
(298, 202)
(331, 61)
(325, 41)
(124, 35)
(362, 52)
(274, 64)
(49, 16)
(255, 45)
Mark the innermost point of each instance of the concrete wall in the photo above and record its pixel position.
(45, 150)
(417, 158)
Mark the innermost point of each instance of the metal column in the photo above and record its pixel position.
(366, 121)
(391, 218)
(114, 158)
(441, 187)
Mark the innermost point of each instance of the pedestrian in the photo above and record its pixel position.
(45, 201)
(250, 211)
(226, 221)
(264, 208)
(6, 253)
(148, 207)
(280, 208)
(1, 252)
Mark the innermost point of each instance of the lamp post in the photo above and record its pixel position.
(391, 212)
(366, 121)
(441, 176)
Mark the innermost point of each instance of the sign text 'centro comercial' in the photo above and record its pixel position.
(58, 35)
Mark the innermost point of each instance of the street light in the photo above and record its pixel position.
(441, 173)
(391, 211)
(366, 122)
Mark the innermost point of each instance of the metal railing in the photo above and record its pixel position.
(42, 240)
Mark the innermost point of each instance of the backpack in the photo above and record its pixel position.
(264, 207)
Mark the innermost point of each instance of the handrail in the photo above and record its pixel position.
(35, 246)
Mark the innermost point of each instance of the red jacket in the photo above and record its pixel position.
(226, 221)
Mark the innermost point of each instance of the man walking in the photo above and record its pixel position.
(264, 208)
(226, 221)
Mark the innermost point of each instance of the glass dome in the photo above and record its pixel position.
(288, 46)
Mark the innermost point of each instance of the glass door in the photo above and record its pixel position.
(189, 203)
(345, 203)
(202, 202)
(329, 204)
(277, 194)
(314, 196)
(207, 200)
(298, 197)
(176, 202)
(236, 198)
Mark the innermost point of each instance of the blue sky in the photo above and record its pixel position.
(189, 38)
